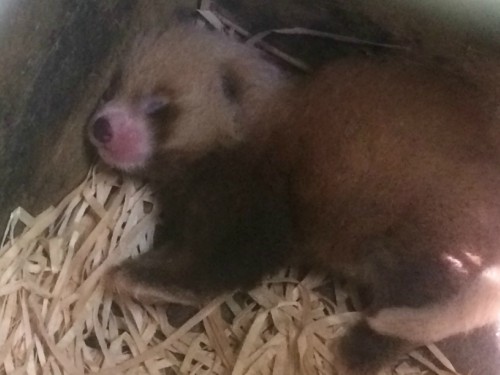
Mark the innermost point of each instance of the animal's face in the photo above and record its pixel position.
(185, 91)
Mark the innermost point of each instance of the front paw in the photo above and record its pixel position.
(362, 351)
(343, 364)
(124, 281)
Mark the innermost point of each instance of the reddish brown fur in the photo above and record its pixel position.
(386, 171)
(395, 169)
(377, 144)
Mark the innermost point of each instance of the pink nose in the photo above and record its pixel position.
(102, 130)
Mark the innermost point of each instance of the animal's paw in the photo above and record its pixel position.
(124, 280)
(362, 351)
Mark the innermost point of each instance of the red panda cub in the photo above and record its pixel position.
(385, 171)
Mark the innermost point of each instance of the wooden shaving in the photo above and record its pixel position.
(321, 34)
(208, 11)
(55, 317)
(222, 23)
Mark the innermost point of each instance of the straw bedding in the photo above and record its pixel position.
(55, 317)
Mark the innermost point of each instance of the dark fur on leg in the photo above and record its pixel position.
(477, 353)
(404, 270)
(363, 351)
(401, 275)
(228, 226)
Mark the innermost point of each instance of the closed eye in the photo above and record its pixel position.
(160, 112)
(151, 105)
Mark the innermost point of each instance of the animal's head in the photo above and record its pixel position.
(182, 92)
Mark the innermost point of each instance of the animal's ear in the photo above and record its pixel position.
(235, 87)
(183, 15)
(232, 82)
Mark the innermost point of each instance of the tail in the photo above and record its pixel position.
(477, 305)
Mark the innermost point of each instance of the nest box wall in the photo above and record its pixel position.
(55, 62)
(56, 58)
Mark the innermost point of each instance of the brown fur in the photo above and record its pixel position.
(396, 180)
(386, 171)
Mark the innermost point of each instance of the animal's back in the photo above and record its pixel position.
(382, 145)
(389, 167)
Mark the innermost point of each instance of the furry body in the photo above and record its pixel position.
(385, 171)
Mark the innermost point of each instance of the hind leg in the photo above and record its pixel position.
(410, 292)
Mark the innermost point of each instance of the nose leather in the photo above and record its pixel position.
(102, 130)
